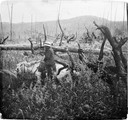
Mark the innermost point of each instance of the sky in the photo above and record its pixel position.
(48, 10)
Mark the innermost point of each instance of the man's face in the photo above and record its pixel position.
(46, 48)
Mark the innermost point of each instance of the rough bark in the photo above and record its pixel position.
(62, 33)
(45, 37)
(72, 38)
(3, 40)
(120, 60)
(88, 33)
(101, 50)
(64, 66)
(93, 35)
(32, 49)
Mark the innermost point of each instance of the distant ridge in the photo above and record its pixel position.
(71, 25)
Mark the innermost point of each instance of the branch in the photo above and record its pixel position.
(105, 30)
(60, 70)
(101, 50)
(122, 42)
(80, 52)
(87, 32)
(99, 27)
(114, 38)
(64, 66)
(40, 43)
(62, 35)
(60, 26)
(32, 49)
(4, 40)
(45, 37)
(124, 60)
(93, 34)
(72, 38)
(71, 59)
(117, 52)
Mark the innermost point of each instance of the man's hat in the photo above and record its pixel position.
(47, 44)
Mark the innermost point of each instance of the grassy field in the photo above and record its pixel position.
(89, 98)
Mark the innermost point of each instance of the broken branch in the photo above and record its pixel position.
(4, 40)
(122, 42)
(101, 50)
(45, 37)
(32, 49)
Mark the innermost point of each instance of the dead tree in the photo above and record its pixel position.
(81, 54)
(45, 37)
(88, 33)
(72, 65)
(89, 38)
(62, 63)
(72, 38)
(68, 38)
(101, 50)
(62, 33)
(2, 41)
(120, 60)
(32, 49)
(93, 35)
(57, 37)
(120, 70)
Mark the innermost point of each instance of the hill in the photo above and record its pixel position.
(72, 25)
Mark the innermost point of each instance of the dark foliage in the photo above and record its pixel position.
(88, 97)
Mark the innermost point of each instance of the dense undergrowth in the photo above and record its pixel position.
(89, 98)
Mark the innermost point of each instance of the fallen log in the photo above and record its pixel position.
(55, 48)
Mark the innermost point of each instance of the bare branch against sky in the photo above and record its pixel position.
(47, 10)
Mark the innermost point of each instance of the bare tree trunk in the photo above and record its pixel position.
(31, 26)
(1, 26)
(62, 33)
(88, 33)
(45, 37)
(11, 22)
(120, 60)
(121, 66)
(127, 16)
(101, 50)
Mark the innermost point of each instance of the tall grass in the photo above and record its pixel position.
(89, 98)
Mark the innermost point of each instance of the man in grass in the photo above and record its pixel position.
(49, 60)
(48, 63)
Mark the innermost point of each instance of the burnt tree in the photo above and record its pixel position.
(45, 37)
(120, 60)
(120, 70)
(62, 33)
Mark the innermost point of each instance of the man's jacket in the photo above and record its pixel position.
(49, 57)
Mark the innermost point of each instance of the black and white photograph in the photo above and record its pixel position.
(63, 59)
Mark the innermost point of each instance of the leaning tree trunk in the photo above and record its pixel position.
(101, 50)
(120, 60)
(121, 66)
